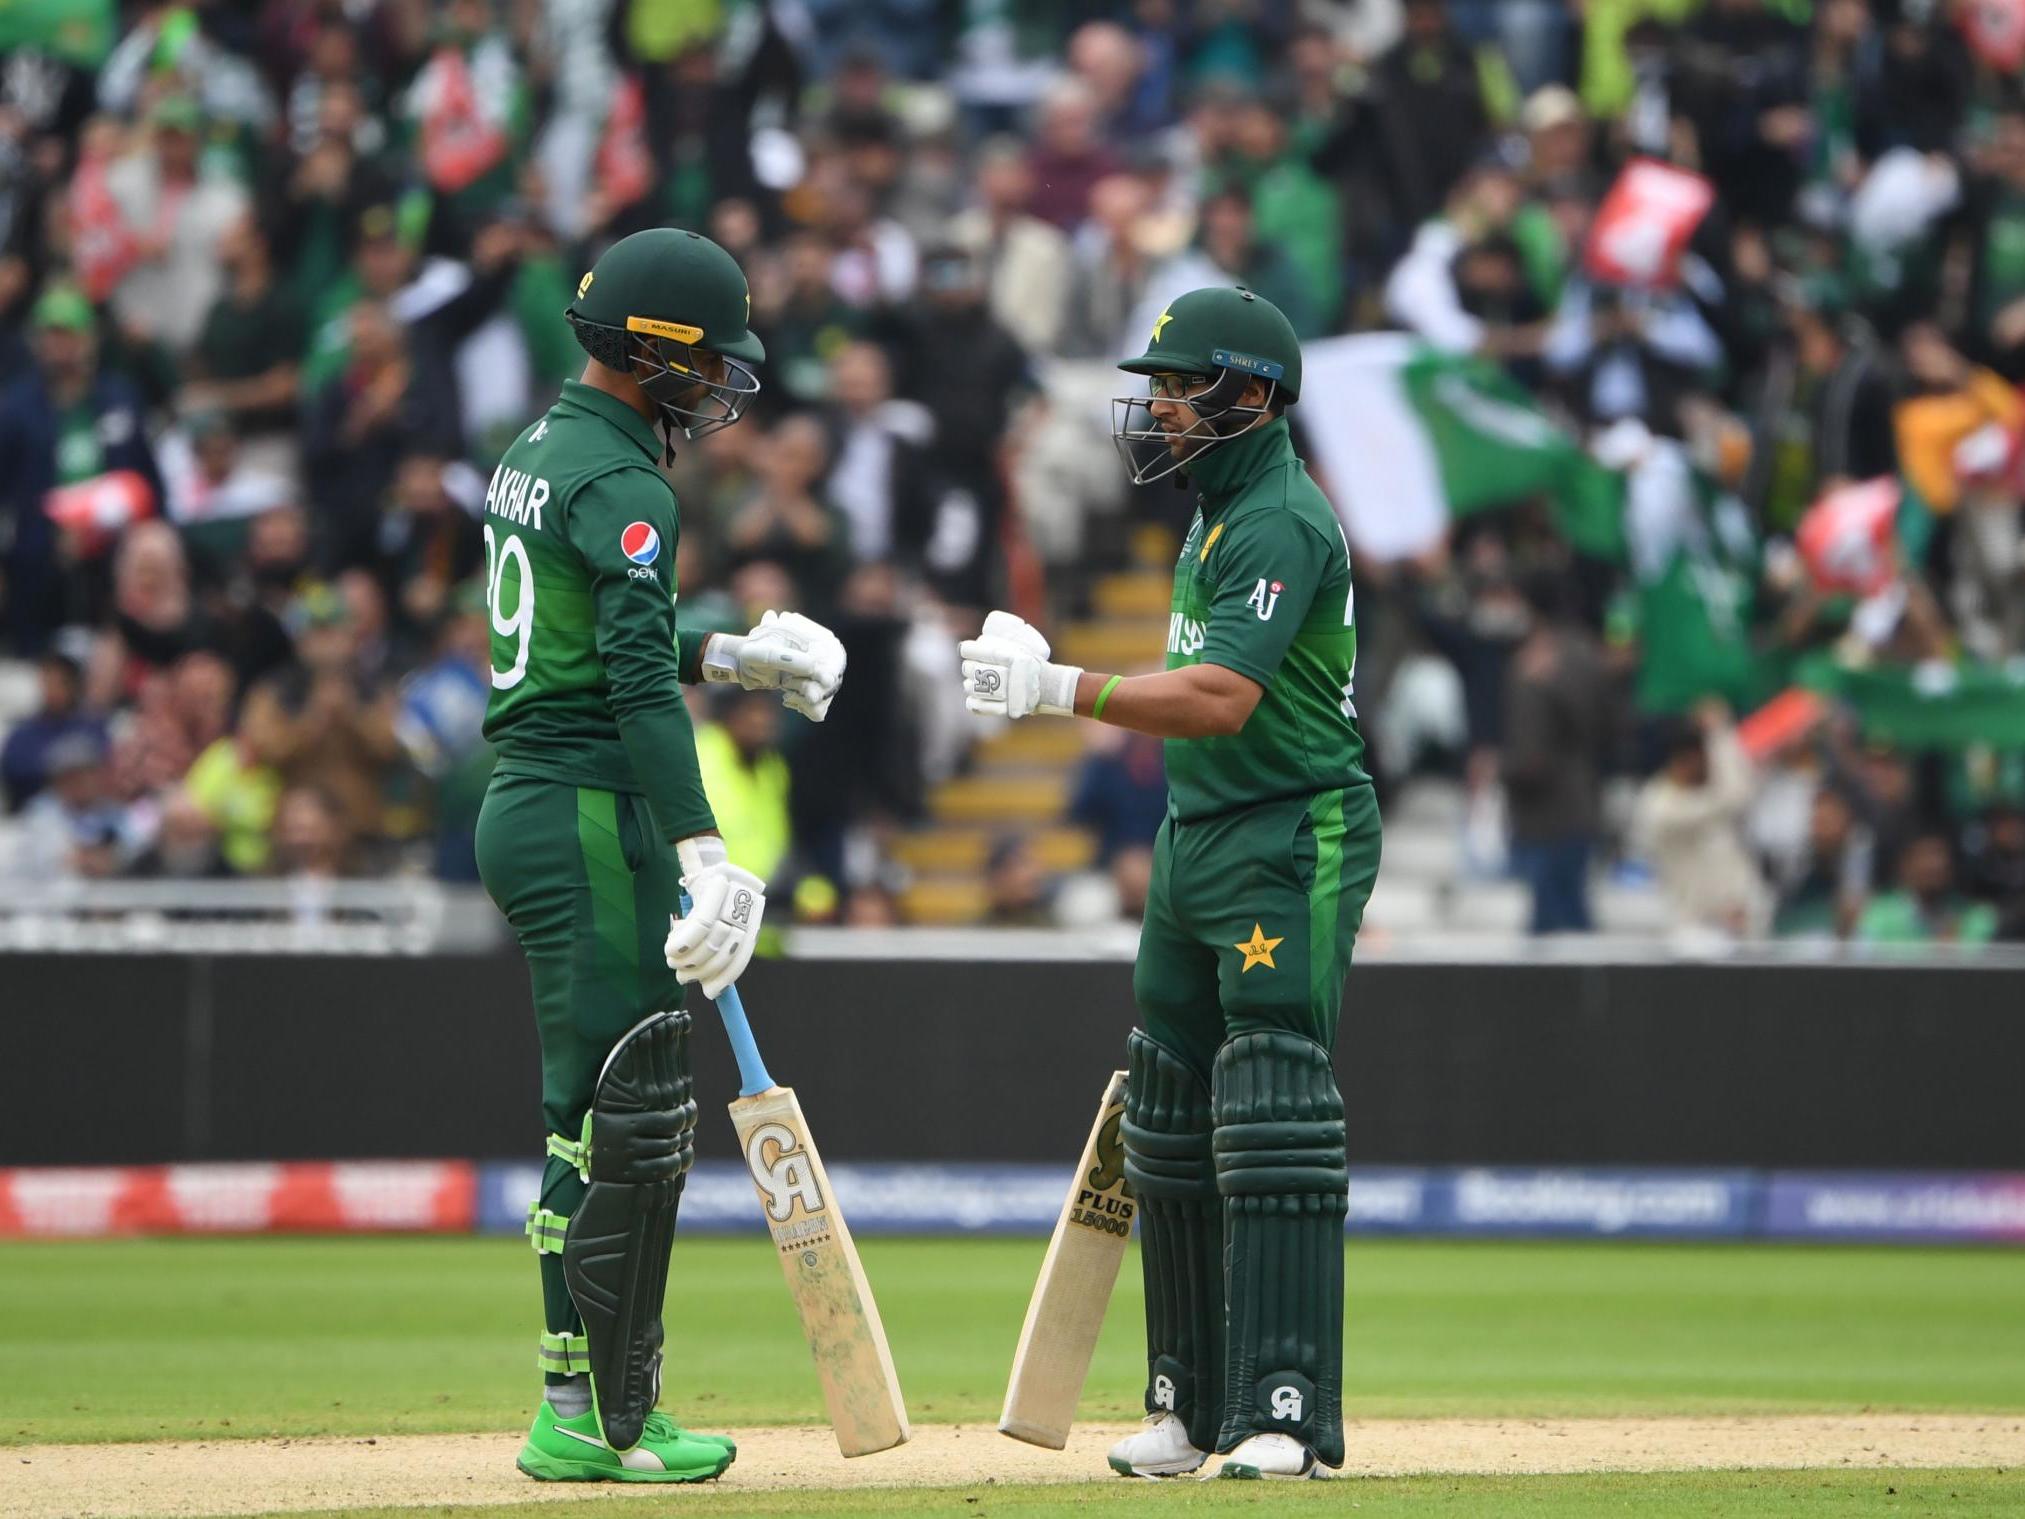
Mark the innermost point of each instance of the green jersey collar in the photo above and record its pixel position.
(1229, 467)
(603, 404)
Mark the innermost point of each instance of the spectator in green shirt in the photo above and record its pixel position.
(1928, 907)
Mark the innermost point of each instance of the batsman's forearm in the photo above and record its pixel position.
(661, 743)
(1196, 701)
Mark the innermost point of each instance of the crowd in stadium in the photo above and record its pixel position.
(278, 281)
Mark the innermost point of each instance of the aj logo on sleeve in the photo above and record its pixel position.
(1265, 597)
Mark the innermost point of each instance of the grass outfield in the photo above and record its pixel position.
(1695, 1495)
(187, 1339)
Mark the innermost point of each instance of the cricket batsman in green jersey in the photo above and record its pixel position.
(595, 824)
(1233, 1129)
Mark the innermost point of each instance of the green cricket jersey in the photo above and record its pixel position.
(1263, 588)
(580, 533)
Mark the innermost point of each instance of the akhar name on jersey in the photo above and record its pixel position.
(517, 496)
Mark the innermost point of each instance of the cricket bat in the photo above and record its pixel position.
(838, 1314)
(1074, 1289)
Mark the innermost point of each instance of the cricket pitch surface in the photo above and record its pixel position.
(438, 1471)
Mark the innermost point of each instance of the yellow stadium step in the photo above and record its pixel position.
(1154, 547)
(943, 900)
(1036, 744)
(1144, 593)
(1000, 799)
(963, 851)
(1119, 645)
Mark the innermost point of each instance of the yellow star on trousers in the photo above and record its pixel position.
(1260, 950)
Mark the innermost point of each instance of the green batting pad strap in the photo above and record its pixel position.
(546, 1229)
(1167, 1124)
(567, 1355)
(576, 1152)
(1279, 1119)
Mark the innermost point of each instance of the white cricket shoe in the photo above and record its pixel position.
(1279, 1458)
(1161, 1449)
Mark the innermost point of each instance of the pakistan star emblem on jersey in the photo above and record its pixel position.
(1259, 951)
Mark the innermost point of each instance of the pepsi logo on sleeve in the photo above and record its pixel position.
(640, 543)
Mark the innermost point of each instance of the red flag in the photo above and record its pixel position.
(1848, 539)
(458, 143)
(625, 168)
(1996, 32)
(1644, 224)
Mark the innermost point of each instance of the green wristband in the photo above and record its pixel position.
(1097, 706)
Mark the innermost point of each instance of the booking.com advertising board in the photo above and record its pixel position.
(493, 1197)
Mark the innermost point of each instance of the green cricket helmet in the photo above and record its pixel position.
(1205, 349)
(652, 306)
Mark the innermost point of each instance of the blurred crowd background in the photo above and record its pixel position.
(278, 280)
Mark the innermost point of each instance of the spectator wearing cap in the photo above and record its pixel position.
(178, 216)
(1929, 906)
(1025, 260)
(75, 828)
(64, 422)
(59, 714)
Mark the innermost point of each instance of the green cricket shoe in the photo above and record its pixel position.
(574, 1450)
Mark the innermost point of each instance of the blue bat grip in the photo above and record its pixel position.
(752, 1076)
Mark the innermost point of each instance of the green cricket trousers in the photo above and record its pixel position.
(588, 884)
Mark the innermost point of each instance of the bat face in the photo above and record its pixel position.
(1081, 1266)
(839, 1317)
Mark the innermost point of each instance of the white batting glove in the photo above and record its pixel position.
(714, 943)
(1006, 672)
(786, 652)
